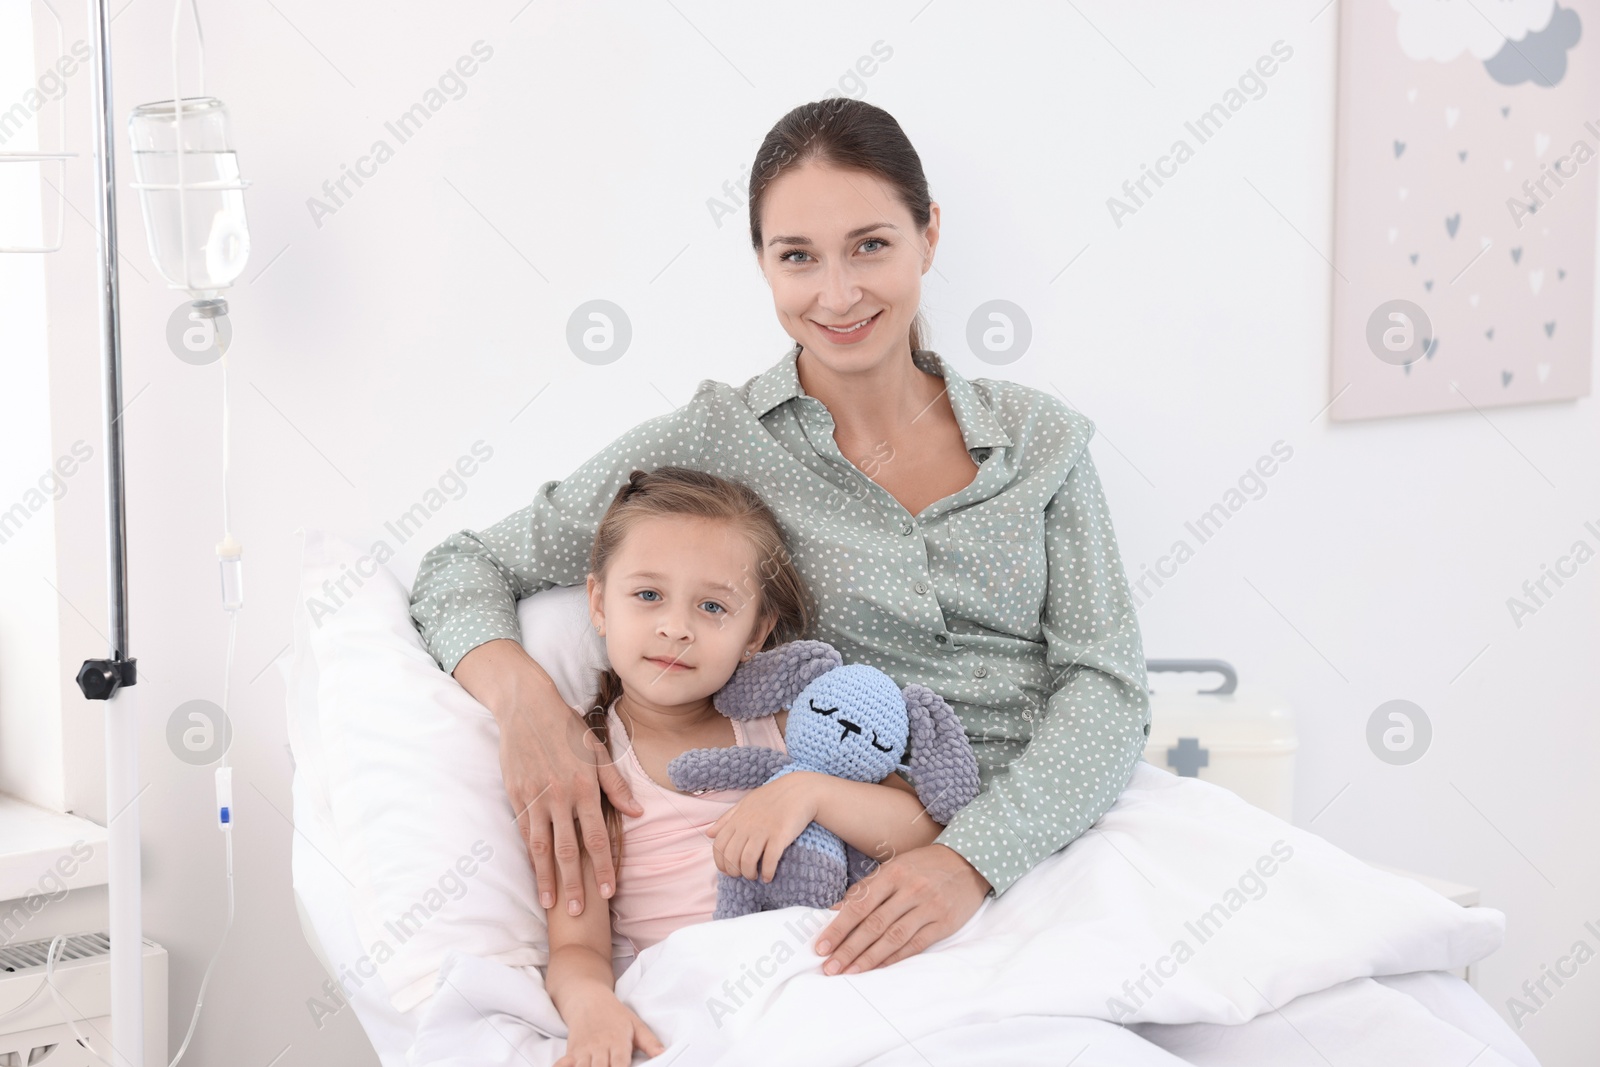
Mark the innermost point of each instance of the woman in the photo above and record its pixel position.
(953, 533)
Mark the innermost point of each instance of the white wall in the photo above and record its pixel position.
(429, 310)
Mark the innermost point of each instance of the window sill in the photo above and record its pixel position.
(48, 851)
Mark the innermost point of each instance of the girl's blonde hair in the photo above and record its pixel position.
(775, 592)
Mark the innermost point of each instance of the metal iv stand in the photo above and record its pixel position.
(112, 679)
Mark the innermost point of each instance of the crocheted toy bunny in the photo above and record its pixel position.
(850, 721)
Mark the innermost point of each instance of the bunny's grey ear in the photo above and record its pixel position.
(942, 766)
(773, 678)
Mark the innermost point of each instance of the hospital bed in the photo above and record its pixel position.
(1186, 928)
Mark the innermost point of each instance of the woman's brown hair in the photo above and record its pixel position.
(851, 134)
(776, 592)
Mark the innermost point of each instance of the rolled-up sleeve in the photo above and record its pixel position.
(1093, 728)
(468, 585)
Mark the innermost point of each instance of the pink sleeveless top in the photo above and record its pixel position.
(667, 877)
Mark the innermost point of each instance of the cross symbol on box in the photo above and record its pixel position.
(1188, 757)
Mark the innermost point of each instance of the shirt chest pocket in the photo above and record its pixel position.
(994, 567)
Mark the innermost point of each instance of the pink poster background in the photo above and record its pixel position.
(1433, 156)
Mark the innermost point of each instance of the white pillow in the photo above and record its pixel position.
(399, 768)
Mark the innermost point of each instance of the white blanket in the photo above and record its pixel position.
(1183, 904)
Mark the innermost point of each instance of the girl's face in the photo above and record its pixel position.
(839, 248)
(678, 609)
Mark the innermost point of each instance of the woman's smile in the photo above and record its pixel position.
(852, 332)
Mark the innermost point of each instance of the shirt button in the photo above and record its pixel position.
(941, 639)
(980, 671)
(922, 587)
(906, 527)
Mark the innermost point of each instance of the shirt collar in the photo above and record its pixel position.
(979, 428)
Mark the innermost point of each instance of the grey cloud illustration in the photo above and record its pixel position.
(1541, 56)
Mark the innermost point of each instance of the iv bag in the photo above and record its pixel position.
(193, 199)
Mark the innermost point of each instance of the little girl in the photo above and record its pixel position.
(689, 577)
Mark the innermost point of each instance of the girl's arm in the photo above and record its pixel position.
(582, 984)
(879, 825)
(882, 819)
(580, 948)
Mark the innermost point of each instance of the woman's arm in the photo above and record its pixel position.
(464, 605)
(548, 765)
(1094, 726)
(468, 585)
(1079, 758)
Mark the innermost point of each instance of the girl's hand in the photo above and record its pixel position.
(603, 1032)
(750, 837)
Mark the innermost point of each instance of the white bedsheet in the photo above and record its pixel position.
(1104, 933)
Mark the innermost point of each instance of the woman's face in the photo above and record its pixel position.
(678, 608)
(838, 248)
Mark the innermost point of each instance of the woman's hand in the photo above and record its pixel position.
(553, 773)
(908, 903)
(603, 1032)
(749, 838)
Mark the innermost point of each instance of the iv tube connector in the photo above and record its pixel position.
(216, 308)
(224, 798)
(230, 559)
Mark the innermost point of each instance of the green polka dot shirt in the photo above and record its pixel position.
(1007, 597)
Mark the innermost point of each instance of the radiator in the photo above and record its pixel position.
(38, 1035)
